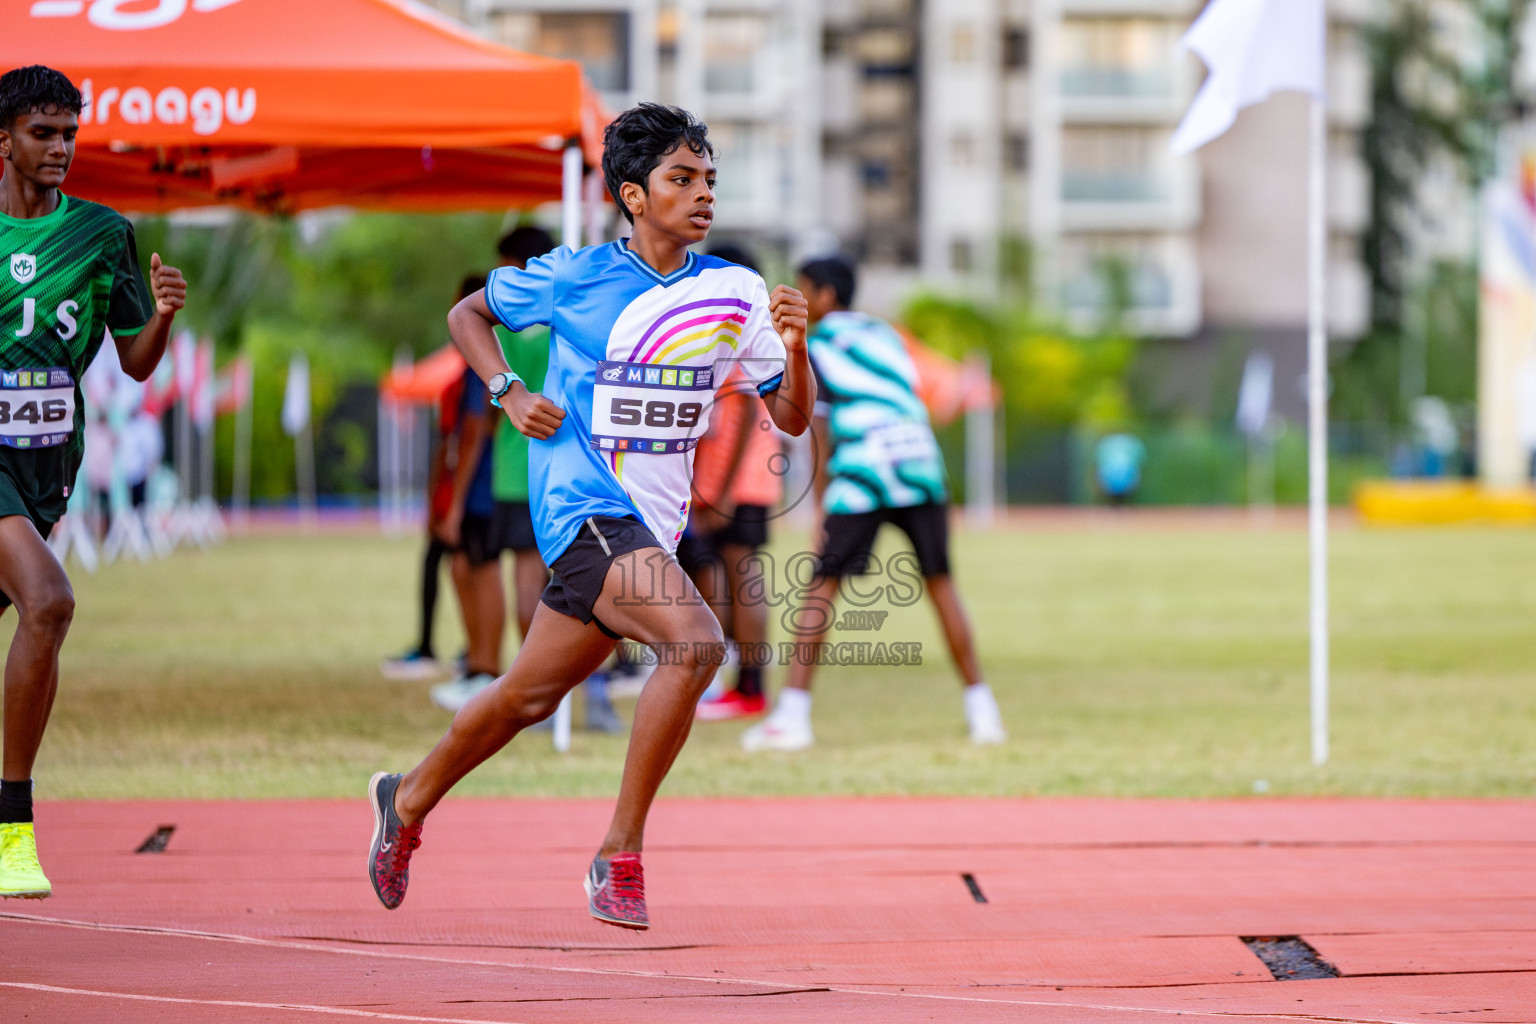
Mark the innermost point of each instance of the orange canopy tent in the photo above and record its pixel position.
(283, 105)
(424, 381)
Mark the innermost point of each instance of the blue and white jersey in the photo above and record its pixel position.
(634, 360)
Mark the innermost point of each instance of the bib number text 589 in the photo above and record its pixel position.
(631, 412)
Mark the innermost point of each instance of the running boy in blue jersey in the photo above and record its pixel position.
(642, 331)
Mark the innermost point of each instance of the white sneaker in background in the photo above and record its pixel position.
(777, 734)
(983, 716)
(411, 665)
(454, 694)
(985, 732)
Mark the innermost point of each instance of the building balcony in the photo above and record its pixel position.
(1161, 279)
(1128, 201)
(1160, 8)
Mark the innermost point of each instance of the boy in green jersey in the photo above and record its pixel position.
(71, 272)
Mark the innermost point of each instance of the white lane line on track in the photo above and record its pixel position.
(245, 1004)
(186, 933)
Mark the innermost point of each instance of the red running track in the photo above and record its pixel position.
(1098, 912)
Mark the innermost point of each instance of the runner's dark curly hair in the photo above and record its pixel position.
(635, 142)
(36, 89)
(834, 272)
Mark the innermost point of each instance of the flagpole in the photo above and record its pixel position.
(1317, 420)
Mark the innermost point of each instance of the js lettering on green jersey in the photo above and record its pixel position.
(68, 278)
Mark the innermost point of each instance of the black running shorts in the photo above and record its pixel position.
(582, 569)
(512, 527)
(846, 540)
(477, 539)
(13, 502)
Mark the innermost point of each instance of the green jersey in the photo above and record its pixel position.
(527, 353)
(71, 275)
(883, 450)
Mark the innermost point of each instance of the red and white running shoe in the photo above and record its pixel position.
(616, 891)
(730, 705)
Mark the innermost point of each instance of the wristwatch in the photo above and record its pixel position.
(500, 384)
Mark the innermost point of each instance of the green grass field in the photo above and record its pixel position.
(1128, 661)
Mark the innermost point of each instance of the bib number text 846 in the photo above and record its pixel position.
(631, 412)
(50, 410)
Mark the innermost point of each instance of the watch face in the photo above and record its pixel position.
(499, 384)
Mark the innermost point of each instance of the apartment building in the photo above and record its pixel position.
(965, 144)
(749, 67)
(1052, 118)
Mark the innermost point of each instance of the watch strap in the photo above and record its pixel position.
(511, 379)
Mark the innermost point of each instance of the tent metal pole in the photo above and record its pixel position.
(571, 168)
(1317, 421)
(570, 196)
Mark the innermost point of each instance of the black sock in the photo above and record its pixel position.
(15, 801)
(749, 681)
(429, 568)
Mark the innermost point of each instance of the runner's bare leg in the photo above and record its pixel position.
(689, 645)
(559, 653)
(33, 578)
(957, 628)
(811, 623)
(529, 577)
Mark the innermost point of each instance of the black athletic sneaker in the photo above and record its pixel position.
(389, 858)
(616, 891)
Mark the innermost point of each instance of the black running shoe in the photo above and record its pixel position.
(389, 858)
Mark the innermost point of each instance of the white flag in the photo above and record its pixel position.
(1255, 393)
(296, 396)
(1253, 49)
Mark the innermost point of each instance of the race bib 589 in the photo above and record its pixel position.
(37, 407)
(643, 407)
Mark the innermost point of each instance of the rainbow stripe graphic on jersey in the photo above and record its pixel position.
(713, 321)
(635, 359)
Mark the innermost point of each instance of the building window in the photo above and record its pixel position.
(742, 152)
(1118, 57)
(962, 256)
(732, 44)
(599, 41)
(1016, 152)
(1016, 49)
(1115, 165)
(1101, 272)
(962, 45)
(962, 149)
(876, 173)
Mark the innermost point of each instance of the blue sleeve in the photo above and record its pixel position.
(522, 298)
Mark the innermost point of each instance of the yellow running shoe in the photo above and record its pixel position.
(20, 873)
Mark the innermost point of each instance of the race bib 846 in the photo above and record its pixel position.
(643, 407)
(37, 407)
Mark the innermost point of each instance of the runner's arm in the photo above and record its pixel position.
(472, 437)
(790, 404)
(471, 324)
(821, 451)
(140, 353)
(436, 467)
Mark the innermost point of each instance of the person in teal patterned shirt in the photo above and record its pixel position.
(71, 274)
(876, 462)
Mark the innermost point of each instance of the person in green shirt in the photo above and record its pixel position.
(527, 354)
(73, 274)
